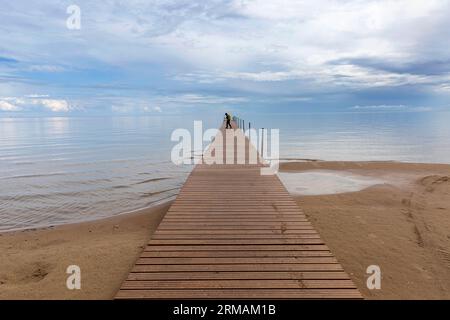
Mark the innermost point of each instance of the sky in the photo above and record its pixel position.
(173, 56)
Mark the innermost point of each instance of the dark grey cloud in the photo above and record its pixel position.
(429, 67)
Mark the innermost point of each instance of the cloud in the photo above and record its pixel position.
(28, 102)
(133, 107)
(333, 75)
(391, 108)
(194, 98)
(150, 109)
(122, 109)
(158, 103)
(37, 96)
(444, 87)
(226, 51)
(7, 106)
(46, 68)
(54, 105)
(378, 107)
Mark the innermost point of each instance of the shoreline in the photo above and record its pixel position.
(288, 165)
(403, 228)
(53, 226)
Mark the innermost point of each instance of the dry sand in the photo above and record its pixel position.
(403, 226)
(33, 263)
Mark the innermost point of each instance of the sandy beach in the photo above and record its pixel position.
(401, 225)
(33, 262)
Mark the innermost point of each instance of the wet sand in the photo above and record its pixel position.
(402, 225)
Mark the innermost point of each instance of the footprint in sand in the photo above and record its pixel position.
(33, 272)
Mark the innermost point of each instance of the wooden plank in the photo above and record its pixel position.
(233, 227)
(246, 275)
(243, 215)
(239, 284)
(309, 235)
(235, 241)
(234, 254)
(234, 223)
(261, 201)
(252, 217)
(219, 219)
(236, 214)
(235, 231)
(239, 267)
(238, 247)
(241, 260)
(241, 294)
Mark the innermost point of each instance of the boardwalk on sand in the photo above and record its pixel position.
(233, 233)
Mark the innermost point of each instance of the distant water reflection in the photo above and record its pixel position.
(61, 170)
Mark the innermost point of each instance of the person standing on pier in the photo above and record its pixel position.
(228, 119)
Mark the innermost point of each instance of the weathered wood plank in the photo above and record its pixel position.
(239, 284)
(248, 275)
(235, 241)
(312, 235)
(235, 231)
(240, 260)
(239, 267)
(234, 254)
(241, 294)
(238, 247)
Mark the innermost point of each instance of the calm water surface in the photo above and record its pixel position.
(62, 170)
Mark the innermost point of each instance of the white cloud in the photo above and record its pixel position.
(24, 103)
(377, 107)
(345, 75)
(444, 88)
(122, 109)
(157, 103)
(305, 37)
(37, 96)
(7, 106)
(193, 98)
(399, 107)
(55, 105)
(154, 109)
(46, 68)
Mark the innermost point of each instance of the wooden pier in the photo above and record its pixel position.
(233, 233)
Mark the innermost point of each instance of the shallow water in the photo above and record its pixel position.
(320, 182)
(62, 170)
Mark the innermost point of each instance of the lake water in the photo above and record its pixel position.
(62, 170)
(319, 182)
